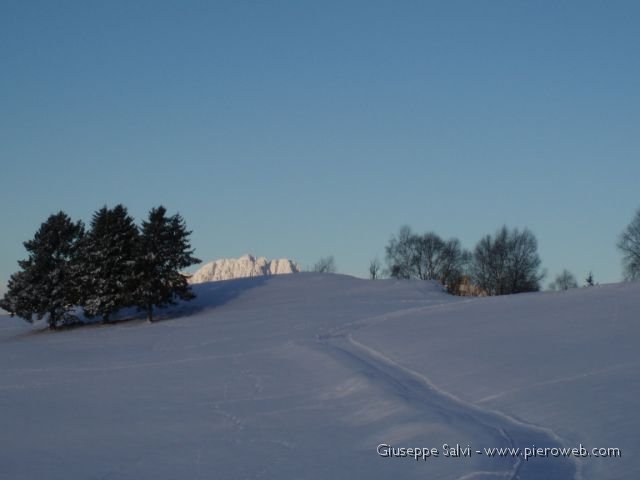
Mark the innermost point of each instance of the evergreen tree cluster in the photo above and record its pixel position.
(113, 265)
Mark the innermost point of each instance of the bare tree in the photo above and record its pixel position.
(454, 266)
(426, 257)
(400, 253)
(629, 245)
(490, 263)
(374, 269)
(507, 263)
(325, 265)
(429, 256)
(564, 281)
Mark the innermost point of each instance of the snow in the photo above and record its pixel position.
(245, 266)
(302, 376)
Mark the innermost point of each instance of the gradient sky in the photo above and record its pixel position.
(302, 129)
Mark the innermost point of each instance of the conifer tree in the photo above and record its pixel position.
(47, 284)
(107, 262)
(18, 299)
(164, 252)
(589, 280)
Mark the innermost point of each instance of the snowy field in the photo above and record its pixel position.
(303, 376)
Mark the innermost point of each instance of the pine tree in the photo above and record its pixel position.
(589, 280)
(107, 262)
(164, 252)
(19, 298)
(47, 285)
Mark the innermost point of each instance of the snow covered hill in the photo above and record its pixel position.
(303, 376)
(245, 266)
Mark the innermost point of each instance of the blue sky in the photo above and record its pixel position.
(303, 129)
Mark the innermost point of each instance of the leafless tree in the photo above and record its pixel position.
(426, 257)
(374, 269)
(325, 265)
(629, 245)
(507, 263)
(400, 253)
(564, 281)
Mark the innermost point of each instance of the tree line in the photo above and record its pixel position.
(503, 263)
(112, 265)
(117, 264)
(500, 264)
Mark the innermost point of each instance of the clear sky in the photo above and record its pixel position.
(303, 129)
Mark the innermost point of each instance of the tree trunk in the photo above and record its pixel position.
(150, 313)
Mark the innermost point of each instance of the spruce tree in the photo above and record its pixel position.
(164, 252)
(18, 299)
(107, 263)
(47, 284)
(589, 280)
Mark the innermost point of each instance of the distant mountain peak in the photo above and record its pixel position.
(245, 266)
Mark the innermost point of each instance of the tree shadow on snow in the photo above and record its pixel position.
(209, 295)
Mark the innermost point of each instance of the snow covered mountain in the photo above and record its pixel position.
(245, 266)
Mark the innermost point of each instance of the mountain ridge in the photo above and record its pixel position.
(242, 267)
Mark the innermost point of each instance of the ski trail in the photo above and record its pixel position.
(345, 328)
(553, 381)
(418, 390)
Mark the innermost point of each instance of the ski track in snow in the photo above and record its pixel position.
(553, 381)
(418, 389)
(350, 327)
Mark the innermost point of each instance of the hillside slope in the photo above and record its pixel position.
(302, 376)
